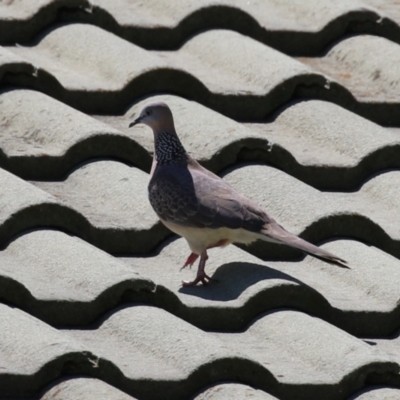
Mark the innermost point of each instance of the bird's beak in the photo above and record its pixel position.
(135, 122)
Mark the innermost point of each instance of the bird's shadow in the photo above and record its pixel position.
(233, 278)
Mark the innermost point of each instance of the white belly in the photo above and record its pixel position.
(200, 239)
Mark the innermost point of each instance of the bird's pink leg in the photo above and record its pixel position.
(201, 274)
(190, 260)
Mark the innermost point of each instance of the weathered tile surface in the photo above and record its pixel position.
(100, 194)
(81, 323)
(208, 68)
(103, 192)
(87, 77)
(43, 138)
(25, 206)
(373, 81)
(70, 289)
(84, 389)
(137, 347)
(32, 353)
(231, 391)
(292, 27)
(172, 351)
(366, 214)
(378, 394)
(350, 298)
(370, 79)
(319, 142)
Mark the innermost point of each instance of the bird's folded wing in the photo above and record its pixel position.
(195, 199)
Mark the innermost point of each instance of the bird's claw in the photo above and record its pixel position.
(203, 278)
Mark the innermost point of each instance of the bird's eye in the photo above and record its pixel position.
(149, 112)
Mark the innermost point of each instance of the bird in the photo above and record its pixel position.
(198, 205)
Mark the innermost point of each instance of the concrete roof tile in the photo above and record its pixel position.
(365, 214)
(32, 353)
(206, 71)
(227, 391)
(319, 142)
(134, 342)
(85, 67)
(271, 329)
(370, 79)
(293, 27)
(11, 62)
(157, 338)
(72, 62)
(102, 193)
(84, 389)
(42, 138)
(378, 393)
(352, 299)
(24, 206)
(73, 288)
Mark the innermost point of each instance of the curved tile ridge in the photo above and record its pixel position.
(362, 300)
(144, 352)
(227, 391)
(110, 194)
(42, 138)
(319, 133)
(377, 393)
(228, 54)
(209, 69)
(14, 64)
(389, 346)
(102, 193)
(387, 7)
(76, 68)
(367, 215)
(196, 125)
(33, 353)
(84, 389)
(24, 206)
(22, 20)
(113, 198)
(318, 142)
(373, 81)
(286, 353)
(81, 280)
(291, 27)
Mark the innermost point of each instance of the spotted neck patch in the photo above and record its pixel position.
(169, 149)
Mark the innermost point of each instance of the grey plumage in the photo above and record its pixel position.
(197, 204)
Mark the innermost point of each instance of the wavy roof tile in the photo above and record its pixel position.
(351, 299)
(281, 98)
(292, 27)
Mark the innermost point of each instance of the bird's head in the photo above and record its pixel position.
(155, 115)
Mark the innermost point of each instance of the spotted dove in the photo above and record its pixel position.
(200, 206)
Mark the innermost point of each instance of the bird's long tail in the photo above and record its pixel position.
(282, 236)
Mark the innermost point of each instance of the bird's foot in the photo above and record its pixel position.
(190, 260)
(202, 277)
(201, 274)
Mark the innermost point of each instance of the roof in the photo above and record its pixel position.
(294, 103)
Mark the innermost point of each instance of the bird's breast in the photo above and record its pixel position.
(171, 193)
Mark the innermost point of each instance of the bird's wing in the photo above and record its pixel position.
(197, 198)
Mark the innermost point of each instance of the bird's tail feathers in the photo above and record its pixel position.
(282, 236)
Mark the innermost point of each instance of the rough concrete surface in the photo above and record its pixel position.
(294, 103)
